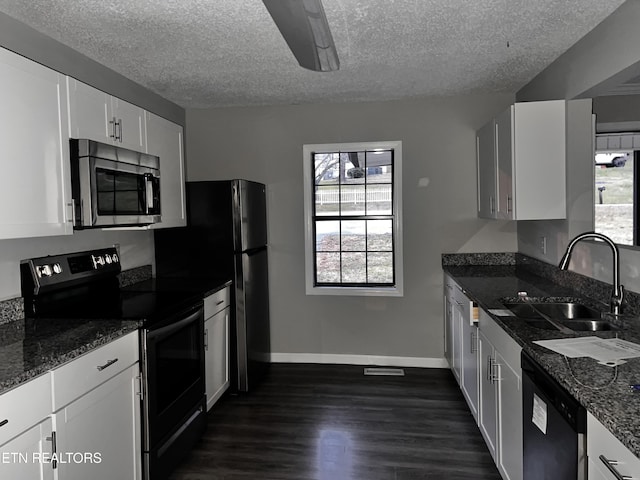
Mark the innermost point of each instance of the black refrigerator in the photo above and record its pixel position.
(226, 236)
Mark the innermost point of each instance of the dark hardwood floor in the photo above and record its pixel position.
(330, 422)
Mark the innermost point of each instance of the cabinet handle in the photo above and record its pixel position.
(509, 202)
(4, 422)
(492, 203)
(119, 124)
(489, 368)
(494, 376)
(220, 302)
(610, 464)
(472, 348)
(113, 123)
(54, 449)
(140, 392)
(206, 339)
(108, 364)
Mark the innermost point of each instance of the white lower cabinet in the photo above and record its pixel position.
(98, 435)
(78, 421)
(97, 413)
(501, 397)
(608, 458)
(26, 441)
(29, 455)
(216, 333)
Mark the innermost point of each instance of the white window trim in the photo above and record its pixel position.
(311, 289)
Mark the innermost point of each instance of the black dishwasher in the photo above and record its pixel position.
(554, 428)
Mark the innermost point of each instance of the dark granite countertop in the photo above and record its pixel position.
(602, 390)
(29, 347)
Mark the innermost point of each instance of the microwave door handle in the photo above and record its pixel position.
(148, 182)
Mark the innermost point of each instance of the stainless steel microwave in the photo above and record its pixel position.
(113, 186)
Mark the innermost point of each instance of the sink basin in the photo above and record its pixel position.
(589, 325)
(573, 315)
(555, 310)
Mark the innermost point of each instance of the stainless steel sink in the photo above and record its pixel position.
(561, 315)
(555, 310)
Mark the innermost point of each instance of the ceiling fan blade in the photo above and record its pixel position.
(304, 26)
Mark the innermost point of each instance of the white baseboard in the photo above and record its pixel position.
(359, 360)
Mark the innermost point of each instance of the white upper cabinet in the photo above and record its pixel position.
(165, 139)
(35, 198)
(98, 116)
(522, 168)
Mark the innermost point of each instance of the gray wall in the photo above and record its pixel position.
(438, 135)
(136, 246)
(601, 60)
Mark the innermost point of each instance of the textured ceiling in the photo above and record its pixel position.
(209, 53)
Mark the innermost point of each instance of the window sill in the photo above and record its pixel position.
(356, 291)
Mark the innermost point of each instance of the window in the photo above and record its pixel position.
(353, 238)
(615, 196)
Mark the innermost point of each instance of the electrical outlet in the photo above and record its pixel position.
(543, 244)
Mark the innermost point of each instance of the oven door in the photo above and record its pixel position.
(114, 193)
(173, 371)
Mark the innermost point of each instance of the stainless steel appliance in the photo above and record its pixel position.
(227, 236)
(112, 186)
(80, 286)
(554, 428)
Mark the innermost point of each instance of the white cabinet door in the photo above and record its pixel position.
(98, 116)
(130, 125)
(89, 112)
(504, 162)
(217, 355)
(448, 320)
(29, 455)
(509, 421)
(105, 423)
(609, 459)
(165, 139)
(469, 349)
(35, 198)
(486, 153)
(487, 412)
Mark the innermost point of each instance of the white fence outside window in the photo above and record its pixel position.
(352, 195)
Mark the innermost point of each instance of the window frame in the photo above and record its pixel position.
(308, 151)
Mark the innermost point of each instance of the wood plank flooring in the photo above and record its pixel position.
(330, 422)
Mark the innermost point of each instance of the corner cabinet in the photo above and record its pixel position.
(35, 198)
(217, 309)
(98, 116)
(521, 162)
(165, 139)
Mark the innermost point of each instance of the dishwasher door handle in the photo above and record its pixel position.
(611, 465)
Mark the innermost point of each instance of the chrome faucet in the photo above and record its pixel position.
(617, 294)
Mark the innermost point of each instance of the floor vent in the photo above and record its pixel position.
(394, 372)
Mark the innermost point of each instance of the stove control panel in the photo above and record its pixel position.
(55, 271)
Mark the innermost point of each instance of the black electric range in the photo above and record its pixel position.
(84, 287)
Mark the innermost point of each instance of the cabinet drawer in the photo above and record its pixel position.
(90, 370)
(24, 406)
(217, 301)
(601, 441)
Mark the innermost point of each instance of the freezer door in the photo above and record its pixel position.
(253, 342)
(250, 215)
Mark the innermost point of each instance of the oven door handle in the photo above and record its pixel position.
(172, 327)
